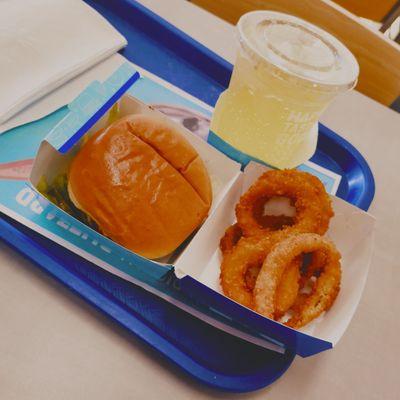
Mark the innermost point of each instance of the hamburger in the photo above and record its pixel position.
(142, 183)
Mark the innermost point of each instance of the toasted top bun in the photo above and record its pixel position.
(143, 183)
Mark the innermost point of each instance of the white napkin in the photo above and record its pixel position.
(65, 93)
(45, 43)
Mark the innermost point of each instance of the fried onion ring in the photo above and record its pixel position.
(326, 287)
(240, 268)
(249, 252)
(307, 193)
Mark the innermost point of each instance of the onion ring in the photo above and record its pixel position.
(248, 252)
(240, 268)
(312, 203)
(326, 287)
(290, 283)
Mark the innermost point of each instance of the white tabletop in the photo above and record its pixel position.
(54, 346)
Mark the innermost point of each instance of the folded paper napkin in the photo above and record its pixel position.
(45, 43)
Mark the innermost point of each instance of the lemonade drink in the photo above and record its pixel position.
(286, 73)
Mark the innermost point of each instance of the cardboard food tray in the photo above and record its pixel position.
(264, 379)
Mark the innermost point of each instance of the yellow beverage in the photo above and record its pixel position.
(279, 87)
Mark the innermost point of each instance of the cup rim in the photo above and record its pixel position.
(252, 50)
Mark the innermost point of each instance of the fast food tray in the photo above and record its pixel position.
(207, 354)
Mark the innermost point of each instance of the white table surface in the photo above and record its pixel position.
(54, 346)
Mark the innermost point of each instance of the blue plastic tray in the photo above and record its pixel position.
(209, 355)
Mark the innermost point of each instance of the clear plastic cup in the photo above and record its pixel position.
(286, 73)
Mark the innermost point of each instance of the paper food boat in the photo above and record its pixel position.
(190, 278)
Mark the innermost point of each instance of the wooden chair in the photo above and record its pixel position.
(378, 56)
(375, 10)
